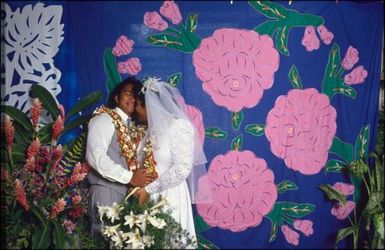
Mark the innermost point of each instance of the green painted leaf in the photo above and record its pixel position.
(113, 77)
(192, 22)
(46, 98)
(356, 181)
(18, 117)
(166, 40)
(335, 166)
(236, 119)
(267, 28)
(269, 9)
(85, 102)
(296, 210)
(200, 224)
(342, 149)
(76, 122)
(345, 232)
(273, 232)
(281, 40)
(204, 243)
(345, 90)
(174, 79)
(362, 143)
(237, 142)
(334, 61)
(333, 194)
(256, 129)
(285, 186)
(58, 235)
(215, 133)
(294, 78)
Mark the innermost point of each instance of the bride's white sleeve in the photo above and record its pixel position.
(182, 153)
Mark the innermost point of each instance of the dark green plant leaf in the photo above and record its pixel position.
(22, 136)
(356, 181)
(46, 98)
(42, 235)
(204, 243)
(200, 224)
(294, 78)
(18, 117)
(375, 203)
(174, 79)
(85, 102)
(76, 122)
(236, 119)
(237, 142)
(285, 186)
(362, 143)
(332, 193)
(45, 133)
(113, 77)
(19, 153)
(345, 232)
(342, 149)
(58, 235)
(255, 129)
(335, 166)
(75, 153)
(215, 133)
(281, 40)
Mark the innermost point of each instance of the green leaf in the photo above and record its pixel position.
(335, 166)
(334, 61)
(85, 102)
(296, 210)
(42, 235)
(18, 117)
(375, 203)
(76, 122)
(192, 22)
(281, 40)
(58, 235)
(200, 224)
(215, 133)
(166, 40)
(362, 143)
(174, 79)
(19, 153)
(204, 243)
(285, 186)
(345, 232)
(333, 194)
(22, 136)
(342, 149)
(267, 28)
(255, 129)
(269, 9)
(273, 232)
(294, 78)
(356, 181)
(113, 77)
(237, 142)
(45, 133)
(236, 119)
(46, 98)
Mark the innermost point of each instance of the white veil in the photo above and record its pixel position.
(164, 103)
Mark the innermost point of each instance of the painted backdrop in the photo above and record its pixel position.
(284, 96)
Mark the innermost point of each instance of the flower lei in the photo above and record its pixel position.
(129, 139)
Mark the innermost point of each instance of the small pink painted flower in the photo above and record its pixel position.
(123, 46)
(69, 225)
(341, 212)
(305, 226)
(9, 132)
(57, 128)
(76, 199)
(154, 21)
(356, 76)
(325, 34)
(351, 58)
(34, 148)
(58, 207)
(344, 188)
(21, 196)
(35, 111)
(310, 39)
(171, 11)
(132, 66)
(291, 236)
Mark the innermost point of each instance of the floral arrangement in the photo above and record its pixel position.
(127, 225)
(43, 195)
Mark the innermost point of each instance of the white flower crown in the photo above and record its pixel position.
(148, 84)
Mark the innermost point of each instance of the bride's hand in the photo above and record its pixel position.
(143, 196)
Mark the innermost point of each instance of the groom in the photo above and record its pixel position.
(107, 154)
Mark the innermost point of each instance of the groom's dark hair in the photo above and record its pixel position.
(111, 103)
(139, 94)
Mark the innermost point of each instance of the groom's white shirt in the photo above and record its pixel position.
(103, 152)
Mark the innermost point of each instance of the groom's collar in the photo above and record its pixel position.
(123, 115)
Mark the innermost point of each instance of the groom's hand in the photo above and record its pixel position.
(141, 178)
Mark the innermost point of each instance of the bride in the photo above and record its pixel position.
(177, 150)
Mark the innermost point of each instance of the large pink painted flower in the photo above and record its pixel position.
(242, 191)
(236, 66)
(300, 128)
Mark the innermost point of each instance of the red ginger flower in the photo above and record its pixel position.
(78, 174)
(35, 111)
(76, 199)
(58, 207)
(33, 149)
(57, 128)
(9, 132)
(21, 196)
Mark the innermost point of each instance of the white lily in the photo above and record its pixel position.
(102, 211)
(130, 219)
(156, 222)
(163, 202)
(142, 221)
(110, 230)
(113, 212)
(135, 240)
(148, 240)
(117, 240)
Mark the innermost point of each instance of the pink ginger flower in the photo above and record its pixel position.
(57, 128)
(5, 175)
(37, 184)
(30, 164)
(9, 132)
(154, 21)
(21, 196)
(351, 58)
(62, 111)
(305, 226)
(171, 11)
(34, 148)
(35, 111)
(357, 76)
(58, 208)
(57, 155)
(341, 212)
(326, 36)
(310, 39)
(78, 174)
(76, 199)
(345, 188)
(69, 225)
(123, 46)
(131, 66)
(291, 236)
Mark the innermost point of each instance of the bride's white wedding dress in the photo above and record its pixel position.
(174, 153)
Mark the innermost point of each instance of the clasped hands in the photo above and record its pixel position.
(142, 178)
